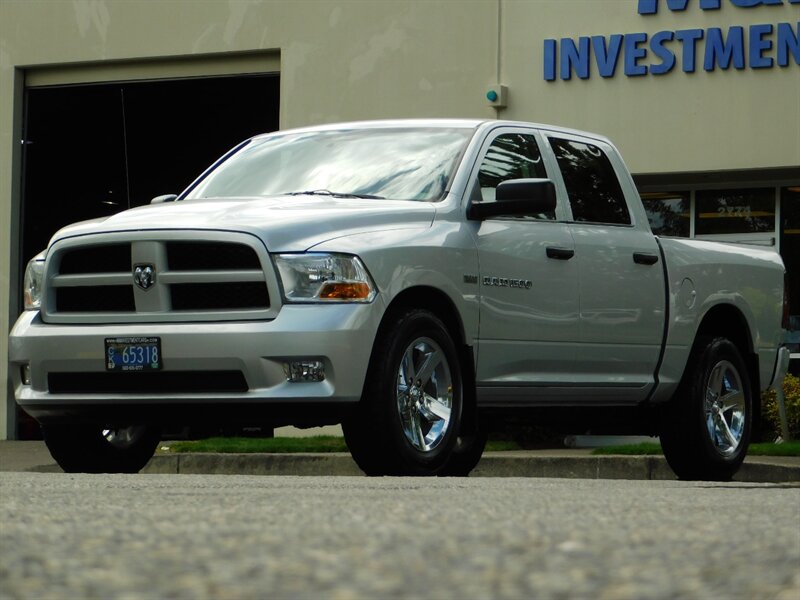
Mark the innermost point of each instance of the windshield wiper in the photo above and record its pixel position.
(334, 194)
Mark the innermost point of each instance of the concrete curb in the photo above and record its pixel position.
(493, 464)
(33, 456)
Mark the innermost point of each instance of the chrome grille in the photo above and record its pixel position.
(197, 276)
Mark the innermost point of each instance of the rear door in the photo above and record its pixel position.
(620, 272)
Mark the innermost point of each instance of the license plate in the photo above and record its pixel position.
(133, 354)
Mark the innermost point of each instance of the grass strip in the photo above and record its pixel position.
(245, 445)
(650, 448)
(284, 445)
(330, 443)
(770, 449)
(640, 449)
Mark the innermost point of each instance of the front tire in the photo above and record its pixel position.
(706, 427)
(95, 449)
(409, 416)
(467, 453)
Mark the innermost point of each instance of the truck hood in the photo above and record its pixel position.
(285, 224)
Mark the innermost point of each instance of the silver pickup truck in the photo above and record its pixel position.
(411, 280)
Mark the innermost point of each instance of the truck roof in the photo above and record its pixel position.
(436, 123)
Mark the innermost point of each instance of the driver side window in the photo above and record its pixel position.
(511, 156)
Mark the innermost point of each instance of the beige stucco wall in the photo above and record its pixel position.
(360, 59)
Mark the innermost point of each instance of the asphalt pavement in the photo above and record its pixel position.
(139, 537)
(32, 456)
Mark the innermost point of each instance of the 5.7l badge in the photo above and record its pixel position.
(523, 284)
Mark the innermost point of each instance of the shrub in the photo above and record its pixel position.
(769, 407)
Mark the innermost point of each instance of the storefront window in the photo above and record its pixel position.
(668, 212)
(735, 211)
(790, 251)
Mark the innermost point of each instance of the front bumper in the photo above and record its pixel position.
(341, 336)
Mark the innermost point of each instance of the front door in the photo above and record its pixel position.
(528, 281)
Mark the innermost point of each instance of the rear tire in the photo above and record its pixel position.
(408, 419)
(705, 429)
(95, 449)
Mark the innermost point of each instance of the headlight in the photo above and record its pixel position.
(32, 285)
(318, 277)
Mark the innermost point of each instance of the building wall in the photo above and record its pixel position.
(701, 121)
(346, 60)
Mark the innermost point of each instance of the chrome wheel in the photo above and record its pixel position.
(424, 394)
(410, 414)
(706, 427)
(124, 437)
(725, 408)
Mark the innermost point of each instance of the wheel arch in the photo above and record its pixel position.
(442, 306)
(437, 302)
(726, 320)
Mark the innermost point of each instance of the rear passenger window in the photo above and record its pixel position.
(595, 195)
(511, 156)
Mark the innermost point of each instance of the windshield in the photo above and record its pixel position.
(400, 164)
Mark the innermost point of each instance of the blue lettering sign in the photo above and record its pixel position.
(764, 46)
(633, 54)
(759, 45)
(753, 3)
(720, 51)
(666, 55)
(550, 60)
(650, 7)
(607, 56)
(788, 43)
(689, 37)
(576, 58)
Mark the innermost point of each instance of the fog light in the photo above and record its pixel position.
(25, 374)
(304, 371)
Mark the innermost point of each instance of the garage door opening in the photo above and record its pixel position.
(95, 150)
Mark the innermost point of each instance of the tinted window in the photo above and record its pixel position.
(511, 156)
(594, 191)
(668, 212)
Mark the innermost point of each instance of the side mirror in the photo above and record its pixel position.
(517, 198)
(164, 198)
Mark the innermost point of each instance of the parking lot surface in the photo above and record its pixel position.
(214, 536)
